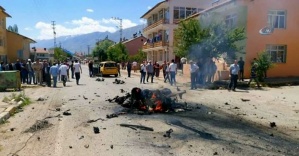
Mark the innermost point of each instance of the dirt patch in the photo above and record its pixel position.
(39, 125)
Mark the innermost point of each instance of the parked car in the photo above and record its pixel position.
(108, 68)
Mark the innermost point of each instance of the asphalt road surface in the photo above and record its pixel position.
(201, 131)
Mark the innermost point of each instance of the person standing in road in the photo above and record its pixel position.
(63, 73)
(150, 71)
(164, 66)
(172, 71)
(193, 70)
(134, 64)
(72, 69)
(241, 72)
(167, 73)
(234, 71)
(142, 73)
(54, 71)
(118, 68)
(37, 68)
(47, 75)
(30, 70)
(253, 75)
(90, 68)
(129, 68)
(77, 69)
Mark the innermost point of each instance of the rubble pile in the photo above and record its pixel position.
(117, 81)
(39, 125)
(148, 100)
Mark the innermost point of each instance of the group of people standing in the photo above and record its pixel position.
(42, 72)
(150, 70)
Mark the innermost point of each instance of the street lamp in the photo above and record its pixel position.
(120, 26)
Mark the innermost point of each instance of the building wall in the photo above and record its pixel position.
(3, 48)
(16, 44)
(257, 19)
(134, 45)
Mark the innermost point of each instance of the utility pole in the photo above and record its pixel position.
(53, 26)
(88, 47)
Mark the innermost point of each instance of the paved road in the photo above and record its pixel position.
(197, 132)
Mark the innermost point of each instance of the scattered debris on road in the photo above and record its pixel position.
(85, 98)
(39, 125)
(67, 113)
(96, 130)
(100, 79)
(272, 124)
(109, 116)
(86, 146)
(40, 99)
(135, 127)
(82, 137)
(91, 121)
(111, 146)
(167, 134)
(117, 81)
(72, 99)
(245, 100)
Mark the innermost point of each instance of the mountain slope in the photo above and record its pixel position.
(80, 43)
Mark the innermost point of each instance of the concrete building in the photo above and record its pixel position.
(271, 26)
(43, 54)
(134, 45)
(3, 39)
(18, 46)
(162, 19)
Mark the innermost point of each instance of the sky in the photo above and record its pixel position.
(73, 17)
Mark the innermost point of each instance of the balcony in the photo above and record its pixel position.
(155, 45)
(153, 25)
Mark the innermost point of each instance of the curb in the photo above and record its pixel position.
(8, 112)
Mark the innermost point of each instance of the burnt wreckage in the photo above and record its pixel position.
(149, 100)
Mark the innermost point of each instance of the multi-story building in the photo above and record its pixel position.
(43, 54)
(18, 46)
(162, 19)
(271, 26)
(3, 43)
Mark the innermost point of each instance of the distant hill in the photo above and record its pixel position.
(80, 43)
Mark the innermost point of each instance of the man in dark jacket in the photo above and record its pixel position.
(129, 68)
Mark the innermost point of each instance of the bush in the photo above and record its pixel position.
(264, 64)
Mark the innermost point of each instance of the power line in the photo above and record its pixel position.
(120, 26)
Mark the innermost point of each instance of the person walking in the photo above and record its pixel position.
(118, 68)
(172, 71)
(253, 75)
(63, 72)
(157, 69)
(72, 69)
(241, 72)
(142, 73)
(234, 71)
(164, 66)
(37, 68)
(47, 75)
(24, 72)
(129, 68)
(77, 69)
(150, 71)
(90, 68)
(134, 64)
(167, 73)
(54, 71)
(31, 76)
(193, 70)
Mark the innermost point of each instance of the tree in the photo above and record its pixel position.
(139, 57)
(59, 54)
(101, 48)
(117, 53)
(264, 64)
(187, 34)
(13, 28)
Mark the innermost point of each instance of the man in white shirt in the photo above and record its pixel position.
(134, 64)
(63, 72)
(77, 69)
(172, 70)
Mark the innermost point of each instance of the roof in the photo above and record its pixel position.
(157, 5)
(3, 10)
(133, 39)
(32, 41)
(210, 8)
(40, 50)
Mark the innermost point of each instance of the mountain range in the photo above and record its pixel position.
(81, 43)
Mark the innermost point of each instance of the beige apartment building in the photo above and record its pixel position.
(162, 20)
(3, 39)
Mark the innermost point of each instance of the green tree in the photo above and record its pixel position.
(139, 57)
(187, 34)
(117, 53)
(13, 28)
(264, 64)
(59, 54)
(101, 48)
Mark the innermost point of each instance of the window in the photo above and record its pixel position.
(20, 53)
(277, 52)
(182, 13)
(149, 21)
(160, 55)
(194, 10)
(176, 13)
(161, 14)
(231, 20)
(155, 18)
(188, 12)
(277, 19)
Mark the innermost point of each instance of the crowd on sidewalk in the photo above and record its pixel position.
(43, 72)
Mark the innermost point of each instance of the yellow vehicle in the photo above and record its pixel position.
(108, 68)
